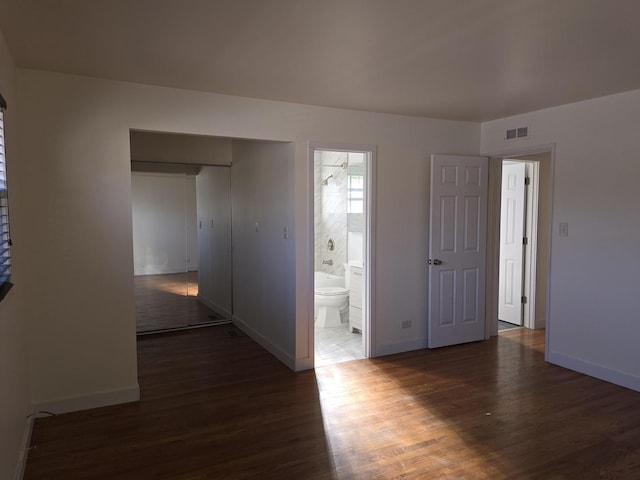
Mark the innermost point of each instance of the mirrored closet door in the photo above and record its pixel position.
(181, 245)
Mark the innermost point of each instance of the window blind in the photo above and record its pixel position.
(5, 239)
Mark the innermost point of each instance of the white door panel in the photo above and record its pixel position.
(457, 249)
(512, 215)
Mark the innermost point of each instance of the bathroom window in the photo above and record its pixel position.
(355, 194)
(355, 200)
(5, 240)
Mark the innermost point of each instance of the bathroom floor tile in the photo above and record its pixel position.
(337, 345)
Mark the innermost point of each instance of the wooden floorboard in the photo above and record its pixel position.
(217, 406)
(168, 301)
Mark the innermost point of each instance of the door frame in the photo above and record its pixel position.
(493, 236)
(368, 300)
(531, 249)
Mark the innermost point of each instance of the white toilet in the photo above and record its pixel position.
(331, 300)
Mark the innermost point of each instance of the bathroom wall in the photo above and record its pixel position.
(330, 205)
(355, 247)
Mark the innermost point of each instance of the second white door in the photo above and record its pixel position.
(512, 215)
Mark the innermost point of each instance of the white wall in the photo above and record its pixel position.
(593, 325)
(15, 402)
(264, 279)
(82, 343)
(164, 223)
(82, 338)
(173, 148)
(213, 186)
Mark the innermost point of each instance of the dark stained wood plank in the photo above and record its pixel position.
(216, 406)
(168, 301)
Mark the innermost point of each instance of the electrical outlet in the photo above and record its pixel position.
(406, 324)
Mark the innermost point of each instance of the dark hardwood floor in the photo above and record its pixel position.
(216, 406)
(168, 301)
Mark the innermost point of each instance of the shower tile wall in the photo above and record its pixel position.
(331, 211)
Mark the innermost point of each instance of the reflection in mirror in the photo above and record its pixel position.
(213, 194)
(171, 263)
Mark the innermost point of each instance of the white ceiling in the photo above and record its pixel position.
(458, 59)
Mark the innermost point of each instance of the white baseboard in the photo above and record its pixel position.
(598, 371)
(398, 347)
(86, 402)
(24, 449)
(303, 364)
(265, 343)
(215, 307)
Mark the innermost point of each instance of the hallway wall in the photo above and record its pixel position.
(264, 281)
(15, 399)
(330, 204)
(81, 177)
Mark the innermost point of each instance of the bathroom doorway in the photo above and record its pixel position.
(342, 252)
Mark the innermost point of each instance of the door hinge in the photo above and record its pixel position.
(527, 180)
(525, 241)
(523, 299)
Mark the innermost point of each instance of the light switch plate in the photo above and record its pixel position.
(564, 229)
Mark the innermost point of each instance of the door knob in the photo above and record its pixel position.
(435, 261)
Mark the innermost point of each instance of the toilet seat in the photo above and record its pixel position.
(331, 291)
(331, 306)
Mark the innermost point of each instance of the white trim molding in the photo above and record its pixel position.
(616, 377)
(93, 400)
(265, 343)
(24, 448)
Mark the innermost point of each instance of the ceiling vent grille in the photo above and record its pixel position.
(517, 133)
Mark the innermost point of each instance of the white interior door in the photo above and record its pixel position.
(512, 216)
(457, 252)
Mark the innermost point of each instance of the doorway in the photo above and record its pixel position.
(182, 264)
(181, 219)
(514, 240)
(342, 213)
(520, 194)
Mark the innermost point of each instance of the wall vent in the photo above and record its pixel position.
(517, 133)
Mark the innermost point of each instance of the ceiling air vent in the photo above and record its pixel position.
(516, 133)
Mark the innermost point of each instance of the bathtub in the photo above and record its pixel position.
(323, 279)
